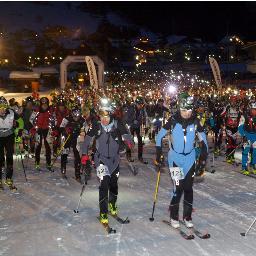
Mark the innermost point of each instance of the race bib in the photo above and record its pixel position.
(176, 173)
(102, 170)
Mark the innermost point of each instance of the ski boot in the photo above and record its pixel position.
(142, 160)
(216, 152)
(9, 183)
(113, 208)
(1, 185)
(254, 169)
(78, 179)
(63, 172)
(38, 167)
(49, 168)
(245, 171)
(175, 223)
(188, 222)
(229, 160)
(104, 218)
(129, 156)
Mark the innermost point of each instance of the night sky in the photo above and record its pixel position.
(208, 20)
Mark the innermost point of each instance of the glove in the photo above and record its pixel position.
(129, 144)
(18, 139)
(55, 133)
(85, 159)
(159, 155)
(32, 131)
(200, 168)
(68, 130)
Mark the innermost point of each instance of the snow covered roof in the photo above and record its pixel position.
(24, 75)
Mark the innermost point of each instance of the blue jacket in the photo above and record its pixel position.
(183, 134)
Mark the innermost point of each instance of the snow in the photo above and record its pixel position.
(38, 219)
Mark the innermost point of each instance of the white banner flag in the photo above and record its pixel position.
(92, 72)
(215, 71)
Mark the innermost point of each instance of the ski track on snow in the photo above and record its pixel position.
(39, 219)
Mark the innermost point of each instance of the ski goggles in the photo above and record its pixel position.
(104, 114)
(187, 104)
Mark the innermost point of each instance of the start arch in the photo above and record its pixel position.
(69, 59)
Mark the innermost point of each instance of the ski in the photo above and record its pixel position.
(133, 169)
(119, 219)
(108, 229)
(181, 232)
(234, 163)
(197, 232)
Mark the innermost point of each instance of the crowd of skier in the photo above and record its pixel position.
(110, 119)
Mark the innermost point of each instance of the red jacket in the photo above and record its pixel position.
(60, 115)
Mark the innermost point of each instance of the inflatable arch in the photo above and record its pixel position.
(69, 59)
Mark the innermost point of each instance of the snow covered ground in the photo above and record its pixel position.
(39, 218)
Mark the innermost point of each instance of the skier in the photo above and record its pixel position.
(184, 127)
(7, 125)
(59, 113)
(247, 129)
(108, 133)
(231, 115)
(42, 121)
(71, 128)
(28, 140)
(216, 124)
(135, 116)
(159, 116)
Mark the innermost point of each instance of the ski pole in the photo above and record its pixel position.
(244, 234)
(23, 165)
(156, 190)
(81, 194)
(61, 148)
(234, 149)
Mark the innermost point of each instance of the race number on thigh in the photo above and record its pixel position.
(177, 174)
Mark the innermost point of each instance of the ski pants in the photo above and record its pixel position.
(140, 143)
(217, 137)
(157, 127)
(185, 186)
(28, 142)
(56, 144)
(108, 190)
(6, 153)
(71, 143)
(247, 148)
(231, 141)
(42, 134)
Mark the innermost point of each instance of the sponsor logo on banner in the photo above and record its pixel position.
(216, 71)
(92, 72)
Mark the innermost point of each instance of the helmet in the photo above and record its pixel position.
(17, 109)
(139, 100)
(76, 111)
(185, 101)
(106, 106)
(44, 100)
(252, 104)
(3, 102)
(29, 99)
